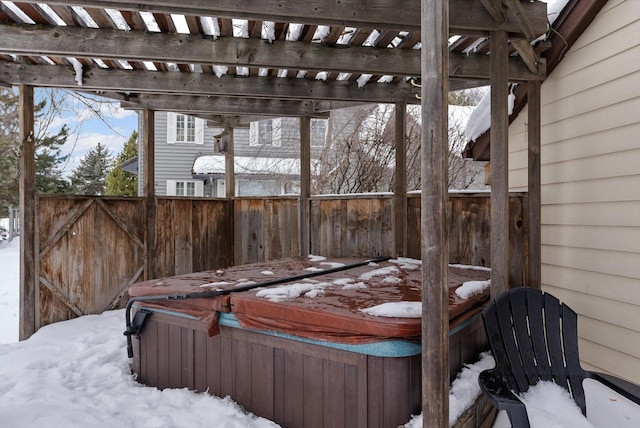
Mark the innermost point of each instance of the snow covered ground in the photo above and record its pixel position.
(75, 374)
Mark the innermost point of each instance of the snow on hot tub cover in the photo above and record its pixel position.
(342, 306)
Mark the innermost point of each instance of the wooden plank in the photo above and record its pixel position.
(174, 350)
(312, 387)
(200, 361)
(28, 249)
(397, 15)
(111, 81)
(305, 186)
(163, 377)
(164, 239)
(222, 105)
(294, 399)
(396, 389)
(227, 373)
(272, 232)
(334, 395)
(152, 354)
(279, 391)
(187, 48)
(499, 165)
(518, 244)
(183, 236)
(534, 234)
(435, 306)
(375, 390)
(214, 365)
(262, 367)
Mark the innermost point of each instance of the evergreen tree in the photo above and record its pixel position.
(120, 182)
(49, 158)
(49, 161)
(9, 150)
(89, 178)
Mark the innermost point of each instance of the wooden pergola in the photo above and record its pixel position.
(286, 58)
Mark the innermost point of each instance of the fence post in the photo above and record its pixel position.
(10, 223)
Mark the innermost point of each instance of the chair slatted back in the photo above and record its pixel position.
(534, 337)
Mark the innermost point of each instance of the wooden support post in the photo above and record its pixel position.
(149, 190)
(230, 191)
(499, 164)
(229, 169)
(534, 194)
(435, 303)
(29, 299)
(400, 184)
(305, 186)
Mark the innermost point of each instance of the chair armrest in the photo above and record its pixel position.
(503, 398)
(627, 389)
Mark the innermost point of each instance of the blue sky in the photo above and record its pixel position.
(113, 130)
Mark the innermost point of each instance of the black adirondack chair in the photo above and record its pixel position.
(534, 337)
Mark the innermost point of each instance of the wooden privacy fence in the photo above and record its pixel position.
(91, 248)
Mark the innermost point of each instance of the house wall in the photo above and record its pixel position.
(174, 161)
(591, 187)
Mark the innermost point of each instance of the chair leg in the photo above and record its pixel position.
(518, 419)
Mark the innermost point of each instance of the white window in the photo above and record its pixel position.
(185, 188)
(258, 188)
(265, 133)
(184, 129)
(318, 132)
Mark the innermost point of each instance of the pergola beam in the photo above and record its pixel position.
(399, 14)
(114, 44)
(136, 81)
(237, 52)
(222, 105)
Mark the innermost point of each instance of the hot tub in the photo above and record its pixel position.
(306, 355)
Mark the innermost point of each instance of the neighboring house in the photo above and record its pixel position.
(590, 166)
(188, 162)
(266, 158)
(180, 140)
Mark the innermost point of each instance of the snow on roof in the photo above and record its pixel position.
(480, 120)
(214, 164)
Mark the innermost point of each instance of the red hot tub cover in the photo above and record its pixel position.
(326, 307)
(332, 309)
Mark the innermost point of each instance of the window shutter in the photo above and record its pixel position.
(221, 189)
(199, 188)
(276, 132)
(171, 131)
(199, 131)
(254, 134)
(171, 187)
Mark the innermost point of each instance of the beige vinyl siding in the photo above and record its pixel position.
(591, 187)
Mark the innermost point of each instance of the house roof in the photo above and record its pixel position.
(573, 20)
(231, 62)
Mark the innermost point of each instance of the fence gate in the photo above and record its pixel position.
(89, 251)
